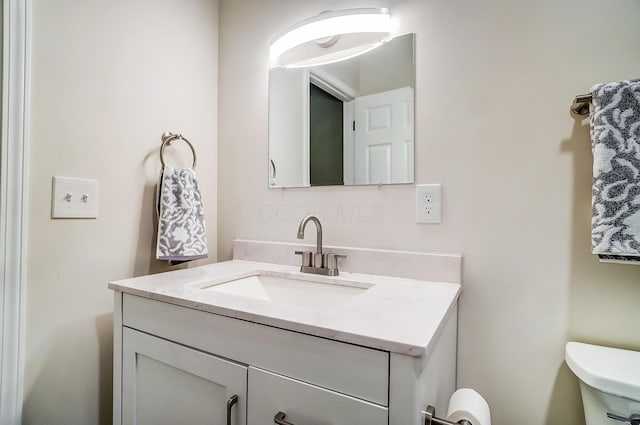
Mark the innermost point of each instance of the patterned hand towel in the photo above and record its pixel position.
(615, 140)
(181, 231)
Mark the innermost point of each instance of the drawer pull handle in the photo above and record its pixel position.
(279, 419)
(233, 400)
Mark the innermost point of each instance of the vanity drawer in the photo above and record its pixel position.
(345, 368)
(306, 404)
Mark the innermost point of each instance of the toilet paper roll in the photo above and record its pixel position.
(467, 404)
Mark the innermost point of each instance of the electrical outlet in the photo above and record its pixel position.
(428, 197)
(428, 203)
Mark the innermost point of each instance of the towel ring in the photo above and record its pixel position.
(168, 138)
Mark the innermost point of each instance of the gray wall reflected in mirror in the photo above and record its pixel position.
(347, 123)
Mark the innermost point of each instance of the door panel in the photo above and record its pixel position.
(379, 163)
(166, 383)
(384, 137)
(289, 128)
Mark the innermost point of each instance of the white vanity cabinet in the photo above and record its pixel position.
(183, 352)
(167, 383)
(175, 364)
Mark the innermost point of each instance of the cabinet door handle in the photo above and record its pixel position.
(279, 419)
(233, 400)
(273, 164)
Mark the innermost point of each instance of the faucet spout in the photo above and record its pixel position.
(302, 226)
(318, 263)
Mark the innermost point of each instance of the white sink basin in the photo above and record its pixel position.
(292, 291)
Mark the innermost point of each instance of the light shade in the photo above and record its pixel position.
(331, 37)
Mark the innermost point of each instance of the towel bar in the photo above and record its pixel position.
(168, 138)
(580, 105)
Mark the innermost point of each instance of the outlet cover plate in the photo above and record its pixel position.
(429, 203)
(74, 198)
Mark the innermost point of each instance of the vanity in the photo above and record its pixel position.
(255, 341)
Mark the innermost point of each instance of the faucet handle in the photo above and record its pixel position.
(306, 257)
(332, 260)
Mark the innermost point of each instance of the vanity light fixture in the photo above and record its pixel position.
(331, 37)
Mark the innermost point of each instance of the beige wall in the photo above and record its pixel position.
(108, 77)
(494, 83)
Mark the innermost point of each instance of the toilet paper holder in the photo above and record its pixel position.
(431, 419)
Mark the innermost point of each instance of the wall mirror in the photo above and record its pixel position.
(346, 123)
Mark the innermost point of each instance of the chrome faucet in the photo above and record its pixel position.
(317, 263)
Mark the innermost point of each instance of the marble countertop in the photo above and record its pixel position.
(399, 315)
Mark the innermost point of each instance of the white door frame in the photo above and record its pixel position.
(13, 204)
(332, 85)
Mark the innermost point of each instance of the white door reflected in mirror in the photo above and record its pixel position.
(383, 148)
(347, 123)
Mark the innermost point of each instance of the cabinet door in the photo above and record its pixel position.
(305, 404)
(166, 383)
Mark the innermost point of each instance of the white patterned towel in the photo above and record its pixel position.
(181, 231)
(615, 140)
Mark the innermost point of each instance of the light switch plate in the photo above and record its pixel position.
(74, 198)
(428, 203)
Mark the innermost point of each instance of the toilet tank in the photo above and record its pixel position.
(609, 381)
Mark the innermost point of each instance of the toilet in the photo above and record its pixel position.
(609, 382)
